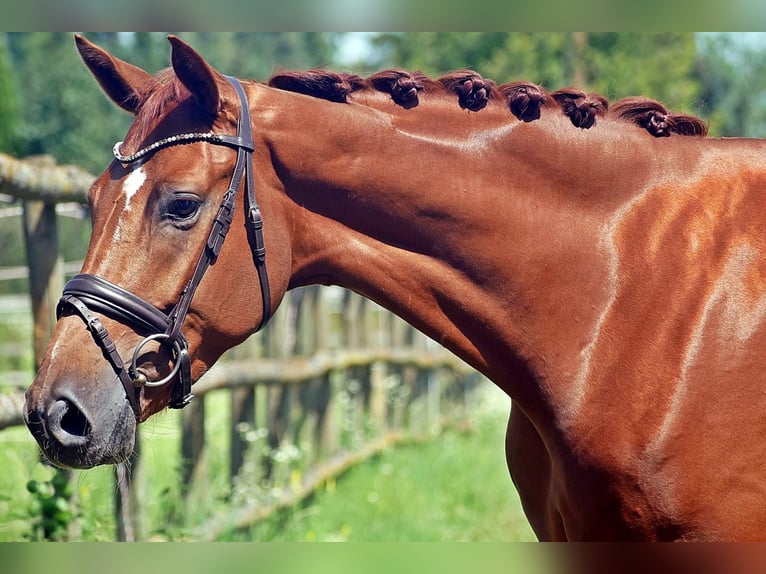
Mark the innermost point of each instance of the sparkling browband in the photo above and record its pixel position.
(172, 140)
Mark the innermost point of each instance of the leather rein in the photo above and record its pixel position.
(86, 294)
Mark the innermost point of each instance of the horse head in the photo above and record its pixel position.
(159, 298)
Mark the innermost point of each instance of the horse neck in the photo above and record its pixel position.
(467, 227)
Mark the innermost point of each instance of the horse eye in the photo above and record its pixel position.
(182, 208)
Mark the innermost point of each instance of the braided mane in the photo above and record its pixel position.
(524, 100)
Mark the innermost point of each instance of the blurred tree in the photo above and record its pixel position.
(9, 110)
(258, 55)
(732, 68)
(63, 113)
(661, 66)
(658, 65)
(66, 115)
(435, 53)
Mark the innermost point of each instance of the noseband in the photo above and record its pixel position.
(85, 294)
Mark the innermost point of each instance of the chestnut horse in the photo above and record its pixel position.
(609, 280)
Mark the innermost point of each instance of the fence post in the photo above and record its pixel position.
(242, 415)
(192, 444)
(278, 397)
(46, 278)
(242, 407)
(128, 507)
(46, 275)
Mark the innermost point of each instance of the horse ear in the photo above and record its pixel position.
(122, 82)
(196, 74)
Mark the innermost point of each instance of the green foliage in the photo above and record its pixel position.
(12, 254)
(435, 53)
(546, 59)
(55, 509)
(74, 233)
(9, 103)
(658, 65)
(63, 113)
(15, 342)
(733, 73)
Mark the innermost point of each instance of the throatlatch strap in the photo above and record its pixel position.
(255, 221)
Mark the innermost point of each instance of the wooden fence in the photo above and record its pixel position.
(331, 380)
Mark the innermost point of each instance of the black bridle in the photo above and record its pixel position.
(86, 294)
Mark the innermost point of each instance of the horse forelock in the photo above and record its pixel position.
(156, 99)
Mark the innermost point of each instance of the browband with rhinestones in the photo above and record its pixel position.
(172, 140)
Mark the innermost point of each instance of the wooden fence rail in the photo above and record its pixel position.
(41, 179)
(330, 380)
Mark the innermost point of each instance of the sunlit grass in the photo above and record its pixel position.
(454, 487)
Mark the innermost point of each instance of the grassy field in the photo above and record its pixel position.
(454, 487)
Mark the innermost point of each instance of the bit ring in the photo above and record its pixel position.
(140, 379)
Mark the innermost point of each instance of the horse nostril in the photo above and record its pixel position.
(68, 423)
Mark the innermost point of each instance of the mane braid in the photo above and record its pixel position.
(582, 109)
(324, 84)
(656, 119)
(525, 99)
(403, 86)
(472, 90)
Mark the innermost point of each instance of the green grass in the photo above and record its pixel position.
(15, 336)
(452, 488)
(20, 462)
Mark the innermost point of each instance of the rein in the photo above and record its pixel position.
(85, 294)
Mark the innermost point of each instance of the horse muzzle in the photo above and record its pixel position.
(82, 410)
(79, 427)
